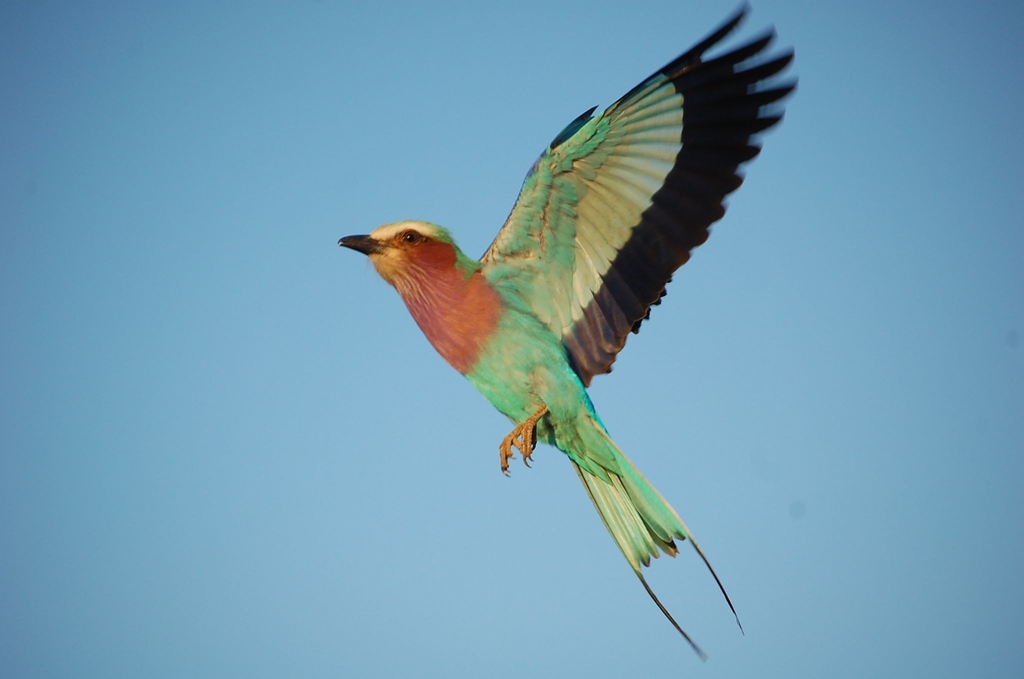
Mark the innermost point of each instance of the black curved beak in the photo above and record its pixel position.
(363, 244)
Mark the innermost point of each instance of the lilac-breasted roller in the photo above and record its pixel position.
(605, 216)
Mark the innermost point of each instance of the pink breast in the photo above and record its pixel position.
(457, 315)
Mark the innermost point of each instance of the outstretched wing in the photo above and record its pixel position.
(615, 204)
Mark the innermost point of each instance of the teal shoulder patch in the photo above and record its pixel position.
(572, 128)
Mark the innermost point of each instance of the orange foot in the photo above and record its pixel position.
(523, 437)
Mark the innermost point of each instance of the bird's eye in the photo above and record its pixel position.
(411, 237)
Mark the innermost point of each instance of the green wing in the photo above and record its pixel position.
(615, 204)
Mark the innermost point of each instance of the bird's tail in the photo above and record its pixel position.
(640, 520)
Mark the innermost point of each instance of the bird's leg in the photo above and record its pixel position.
(523, 437)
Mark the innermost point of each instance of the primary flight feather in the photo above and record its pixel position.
(608, 212)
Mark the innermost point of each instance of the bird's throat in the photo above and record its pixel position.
(457, 313)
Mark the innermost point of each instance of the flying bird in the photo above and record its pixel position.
(606, 215)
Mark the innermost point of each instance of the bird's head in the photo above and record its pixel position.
(410, 252)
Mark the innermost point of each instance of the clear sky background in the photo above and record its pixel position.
(227, 451)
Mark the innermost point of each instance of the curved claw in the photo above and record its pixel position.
(524, 438)
(505, 451)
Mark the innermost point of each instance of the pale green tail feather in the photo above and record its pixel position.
(622, 518)
(651, 504)
(629, 530)
(639, 519)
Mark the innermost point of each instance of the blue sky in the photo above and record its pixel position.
(226, 450)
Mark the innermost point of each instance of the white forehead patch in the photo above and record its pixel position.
(389, 231)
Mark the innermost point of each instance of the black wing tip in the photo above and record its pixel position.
(716, 36)
(730, 24)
